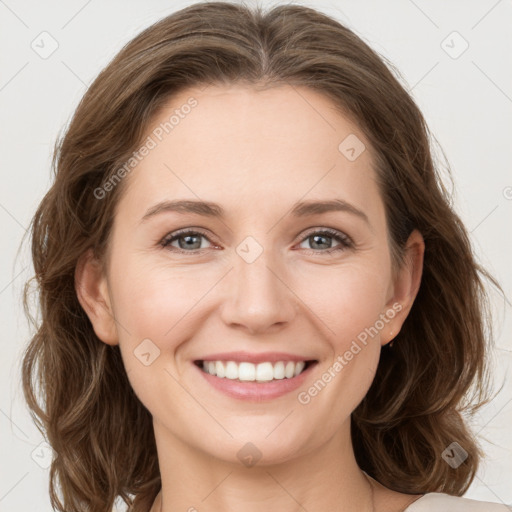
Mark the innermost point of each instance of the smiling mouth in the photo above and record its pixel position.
(250, 372)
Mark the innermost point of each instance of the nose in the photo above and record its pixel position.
(258, 298)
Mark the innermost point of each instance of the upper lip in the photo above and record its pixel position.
(262, 357)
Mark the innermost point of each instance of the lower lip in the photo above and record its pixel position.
(256, 391)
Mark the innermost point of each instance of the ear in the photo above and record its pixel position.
(92, 291)
(405, 286)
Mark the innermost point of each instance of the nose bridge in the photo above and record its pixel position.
(257, 298)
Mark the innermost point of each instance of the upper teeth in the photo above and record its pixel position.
(253, 372)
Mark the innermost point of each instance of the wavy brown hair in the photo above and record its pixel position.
(435, 371)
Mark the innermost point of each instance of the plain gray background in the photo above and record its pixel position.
(454, 58)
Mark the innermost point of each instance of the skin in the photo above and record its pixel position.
(242, 149)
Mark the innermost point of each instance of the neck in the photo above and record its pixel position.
(326, 478)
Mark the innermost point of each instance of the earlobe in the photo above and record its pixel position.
(92, 291)
(406, 285)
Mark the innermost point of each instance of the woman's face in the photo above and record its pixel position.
(258, 275)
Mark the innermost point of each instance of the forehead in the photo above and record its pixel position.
(252, 146)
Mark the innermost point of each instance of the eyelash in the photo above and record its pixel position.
(346, 242)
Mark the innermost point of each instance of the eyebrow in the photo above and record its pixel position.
(209, 209)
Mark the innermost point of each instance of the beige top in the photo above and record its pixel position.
(441, 502)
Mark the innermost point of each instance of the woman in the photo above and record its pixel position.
(254, 291)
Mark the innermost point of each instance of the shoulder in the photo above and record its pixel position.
(441, 502)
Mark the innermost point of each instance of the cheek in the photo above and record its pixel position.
(349, 303)
(152, 300)
(154, 307)
(347, 299)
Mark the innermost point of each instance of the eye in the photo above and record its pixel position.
(321, 240)
(191, 241)
(188, 241)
